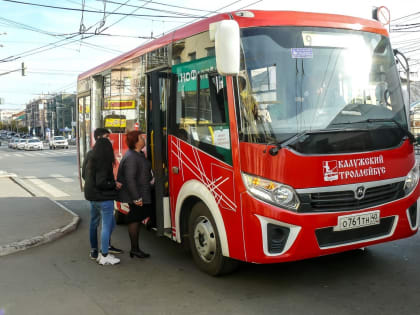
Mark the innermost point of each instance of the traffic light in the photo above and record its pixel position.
(23, 69)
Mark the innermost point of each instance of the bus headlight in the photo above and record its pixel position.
(411, 179)
(272, 192)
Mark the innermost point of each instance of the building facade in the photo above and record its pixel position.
(51, 115)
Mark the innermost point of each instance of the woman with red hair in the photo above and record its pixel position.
(135, 175)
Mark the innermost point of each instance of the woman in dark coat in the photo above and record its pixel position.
(135, 175)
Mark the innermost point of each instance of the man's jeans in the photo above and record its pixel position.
(104, 209)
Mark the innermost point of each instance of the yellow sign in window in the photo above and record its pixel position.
(115, 123)
(120, 104)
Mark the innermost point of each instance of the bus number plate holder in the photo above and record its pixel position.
(358, 220)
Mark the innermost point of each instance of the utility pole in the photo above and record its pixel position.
(22, 69)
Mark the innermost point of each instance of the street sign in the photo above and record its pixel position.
(384, 16)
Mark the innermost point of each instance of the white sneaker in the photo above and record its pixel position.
(107, 260)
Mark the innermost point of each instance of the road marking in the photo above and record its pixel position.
(48, 188)
(65, 179)
(28, 177)
(29, 154)
(62, 178)
(18, 155)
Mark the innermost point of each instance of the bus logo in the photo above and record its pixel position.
(330, 169)
(360, 193)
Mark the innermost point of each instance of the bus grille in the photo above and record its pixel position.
(327, 237)
(345, 200)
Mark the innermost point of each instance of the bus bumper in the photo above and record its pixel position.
(275, 235)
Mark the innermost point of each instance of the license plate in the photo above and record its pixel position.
(358, 220)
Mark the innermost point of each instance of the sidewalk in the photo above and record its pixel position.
(27, 220)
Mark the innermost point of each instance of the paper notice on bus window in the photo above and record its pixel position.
(194, 134)
(221, 138)
(302, 53)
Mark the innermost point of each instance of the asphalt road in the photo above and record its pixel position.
(59, 278)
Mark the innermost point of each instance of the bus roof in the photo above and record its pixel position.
(259, 18)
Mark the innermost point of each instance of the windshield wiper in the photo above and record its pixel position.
(406, 132)
(279, 145)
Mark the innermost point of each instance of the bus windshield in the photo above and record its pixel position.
(298, 79)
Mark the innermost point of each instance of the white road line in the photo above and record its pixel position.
(48, 188)
(65, 179)
(29, 154)
(28, 177)
(62, 178)
(18, 155)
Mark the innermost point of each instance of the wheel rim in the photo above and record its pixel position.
(205, 239)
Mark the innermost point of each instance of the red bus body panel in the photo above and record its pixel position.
(306, 171)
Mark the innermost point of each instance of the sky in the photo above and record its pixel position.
(48, 40)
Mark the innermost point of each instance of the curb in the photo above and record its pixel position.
(6, 174)
(44, 238)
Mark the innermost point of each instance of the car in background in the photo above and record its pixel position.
(13, 143)
(58, 142)
(21, 144)
(34, 144)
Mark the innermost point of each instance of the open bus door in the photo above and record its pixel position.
(159, 87)
(83, 130)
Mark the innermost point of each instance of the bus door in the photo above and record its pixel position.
(83, 129)
(157, 138)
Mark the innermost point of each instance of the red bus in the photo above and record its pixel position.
(274, 136)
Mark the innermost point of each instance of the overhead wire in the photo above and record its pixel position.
(52, 45)
(96, 11)
(406, 16)
(180, 7)
(37, 30)
(153, 9)
(189, 22)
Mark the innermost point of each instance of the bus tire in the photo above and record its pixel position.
(205, 243)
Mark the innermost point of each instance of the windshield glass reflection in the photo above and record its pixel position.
(297, 79)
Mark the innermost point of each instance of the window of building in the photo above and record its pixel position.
(210, 51)
(192, 56)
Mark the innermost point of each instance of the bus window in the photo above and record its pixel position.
(121, 96)
(202, 118)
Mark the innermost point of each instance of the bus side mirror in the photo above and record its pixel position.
(227, 42)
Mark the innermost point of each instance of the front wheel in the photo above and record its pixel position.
(205, 243)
